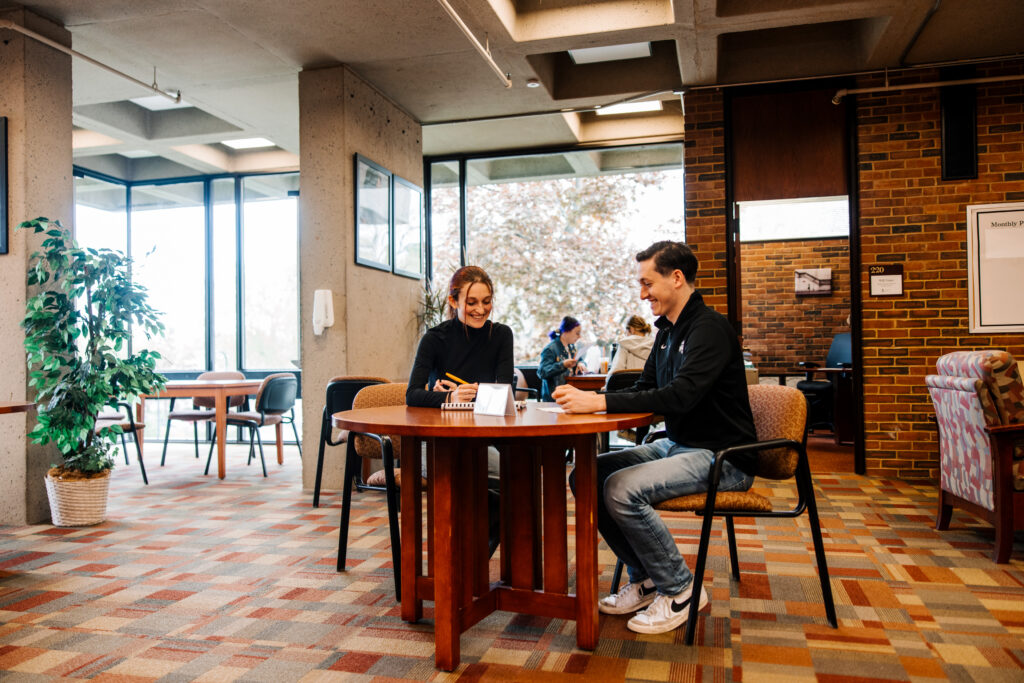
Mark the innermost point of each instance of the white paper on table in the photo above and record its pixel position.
(552, 409)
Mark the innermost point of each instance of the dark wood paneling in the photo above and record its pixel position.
(788, 145)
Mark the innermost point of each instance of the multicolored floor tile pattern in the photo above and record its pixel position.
(192, 578)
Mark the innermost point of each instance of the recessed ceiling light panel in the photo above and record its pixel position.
(610, 53)
(158, 103)
(630, 108)
(248, 143)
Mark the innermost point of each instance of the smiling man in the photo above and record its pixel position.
(695, 378)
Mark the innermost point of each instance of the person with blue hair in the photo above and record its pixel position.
(558, 359)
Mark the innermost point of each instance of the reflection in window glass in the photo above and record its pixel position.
(101, 217)
(270, 241)
(444, 217)
(169, 255)
(794, 219)
(225, 284)
(558, 234)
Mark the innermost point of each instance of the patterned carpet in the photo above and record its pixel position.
(192, 578)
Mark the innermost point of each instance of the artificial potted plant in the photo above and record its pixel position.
(78, 326)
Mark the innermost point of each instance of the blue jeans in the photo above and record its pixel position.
(629, 483)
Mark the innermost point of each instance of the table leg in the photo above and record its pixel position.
(412, 529)
(220, 408)
(280, 443)
(586, 544)
(447, 626)
(140, 421)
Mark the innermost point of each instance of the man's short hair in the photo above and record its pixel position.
(669, 256)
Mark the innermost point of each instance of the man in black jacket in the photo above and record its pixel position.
(695, 378)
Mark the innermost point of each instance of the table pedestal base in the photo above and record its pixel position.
(534, 539)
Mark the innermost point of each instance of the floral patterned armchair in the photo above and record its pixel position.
(979, 407)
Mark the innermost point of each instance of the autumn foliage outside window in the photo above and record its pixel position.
(563, 245)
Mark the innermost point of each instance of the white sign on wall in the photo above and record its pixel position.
(995, 267)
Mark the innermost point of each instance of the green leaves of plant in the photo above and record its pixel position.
(76, 328)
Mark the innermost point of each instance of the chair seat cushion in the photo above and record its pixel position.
(192, 415)
(378, 479)
(725, 501)
(253, 418)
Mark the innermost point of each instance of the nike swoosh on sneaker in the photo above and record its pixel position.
(645, 591)
(678, 607)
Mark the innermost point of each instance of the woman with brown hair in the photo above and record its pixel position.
(472, 348)
(468, 346)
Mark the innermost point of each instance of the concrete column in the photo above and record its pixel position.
(375, 330)
(35, 96)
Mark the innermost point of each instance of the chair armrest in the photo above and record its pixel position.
(654, 436)
(1003, 430)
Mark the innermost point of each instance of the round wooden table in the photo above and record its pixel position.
(534, 538)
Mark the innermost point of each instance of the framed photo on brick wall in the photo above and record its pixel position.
(995, 267)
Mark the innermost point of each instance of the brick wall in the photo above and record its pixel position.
(780, 328)
(704, 188)
(908, 215)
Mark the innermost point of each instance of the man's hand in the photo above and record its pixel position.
(573, 400)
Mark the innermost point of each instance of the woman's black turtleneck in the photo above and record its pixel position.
(472, 354)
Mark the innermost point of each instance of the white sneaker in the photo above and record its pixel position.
(630, 598)
(666, 613)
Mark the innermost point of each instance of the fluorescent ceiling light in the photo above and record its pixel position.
(158, 103)
(610, 53)
(137, 154)
(630, 108)
(247, 143)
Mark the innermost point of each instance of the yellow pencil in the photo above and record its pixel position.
(451, 376)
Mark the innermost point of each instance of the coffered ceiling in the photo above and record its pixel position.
(236, 63)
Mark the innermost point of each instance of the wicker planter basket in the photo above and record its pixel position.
(78, 502)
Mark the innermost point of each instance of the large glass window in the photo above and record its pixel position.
(225, 274)
(444, 215)
(557, 233)
(183, 239)
(101, 214)
(794, 219)
(168, 251)
(270, 253)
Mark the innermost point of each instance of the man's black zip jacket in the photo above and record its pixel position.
(695, 378)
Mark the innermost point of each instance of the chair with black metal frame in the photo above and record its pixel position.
(616, 381)
(780, 417)
(340, 393)
(275, 405)
(128, 425)
(519, 386)
(373, 446)
(821, 393)
(202, 409)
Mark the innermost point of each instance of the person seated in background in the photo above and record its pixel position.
(634, 348)
(694, 377)
(472, 348)
(558, 359)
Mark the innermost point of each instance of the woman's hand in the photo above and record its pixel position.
(569, 363)
(445, 385)
(464, 393)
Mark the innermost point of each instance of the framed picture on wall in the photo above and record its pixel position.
(373, 214)
(3, 185)
(407, 214)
